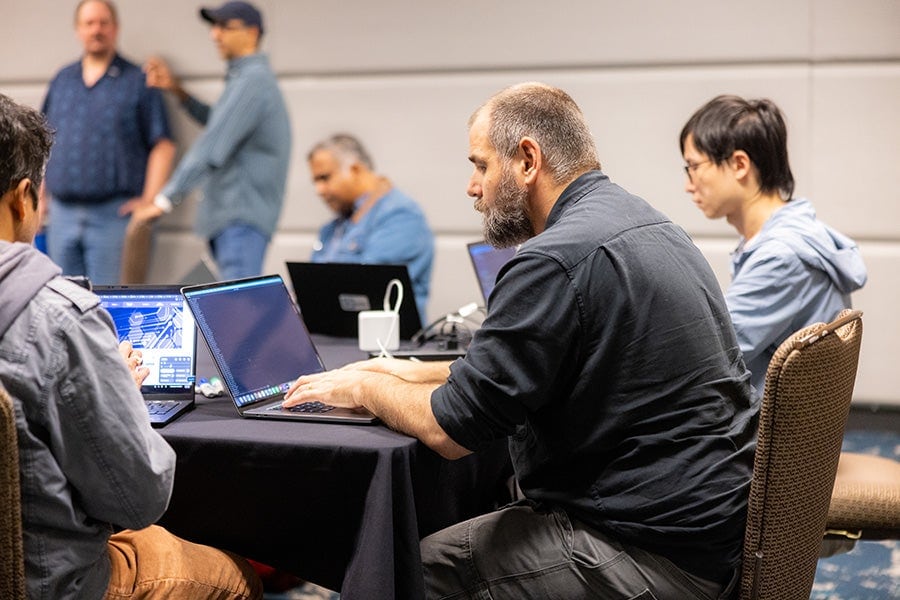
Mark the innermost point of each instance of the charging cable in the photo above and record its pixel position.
(386, 305)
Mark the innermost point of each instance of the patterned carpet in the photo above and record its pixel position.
(871, 571)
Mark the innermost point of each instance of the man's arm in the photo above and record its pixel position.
(765, 297)
(123, 470)
(159, 167)
(402, 405)
(413, 371)
(160, 76)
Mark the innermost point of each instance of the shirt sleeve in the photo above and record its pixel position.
(234, 117)
(122, 469)
(764, 297)
(199, 111)
(154, 119)
(519, 360)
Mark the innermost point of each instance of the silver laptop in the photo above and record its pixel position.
(155, 320)
(260, 346)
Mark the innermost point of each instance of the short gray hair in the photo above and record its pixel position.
(551, 117)
(345, 148)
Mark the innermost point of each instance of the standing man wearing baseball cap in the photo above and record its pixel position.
(241, 158)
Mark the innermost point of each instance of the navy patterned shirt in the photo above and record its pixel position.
(104, 133)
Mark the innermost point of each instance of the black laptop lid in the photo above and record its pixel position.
(487, 262)
(156, 321)
(331, 295)
(255, 336)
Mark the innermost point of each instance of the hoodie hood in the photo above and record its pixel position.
(23, 272)
(815, 243)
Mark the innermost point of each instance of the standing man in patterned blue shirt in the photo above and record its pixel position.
(112, 152)
(241, 158)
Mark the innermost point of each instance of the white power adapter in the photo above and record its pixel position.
(380, 329)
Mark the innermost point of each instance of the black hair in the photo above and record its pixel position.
(728, 123)
(25, 141)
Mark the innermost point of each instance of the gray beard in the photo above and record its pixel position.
(506, 223)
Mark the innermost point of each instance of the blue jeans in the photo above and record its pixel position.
(87, 239)
(520, 553)
(239, 250)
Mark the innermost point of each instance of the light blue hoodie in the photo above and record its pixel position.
(795, 272)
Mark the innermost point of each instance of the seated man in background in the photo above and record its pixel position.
(789, 269)
(376, 223)
(89, 461)
(606, 358)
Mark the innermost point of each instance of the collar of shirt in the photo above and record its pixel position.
(235, 65)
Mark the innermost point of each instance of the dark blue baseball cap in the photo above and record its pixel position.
(244, 11)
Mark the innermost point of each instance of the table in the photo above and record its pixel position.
(343, 506)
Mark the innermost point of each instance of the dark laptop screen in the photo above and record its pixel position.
(255, 334)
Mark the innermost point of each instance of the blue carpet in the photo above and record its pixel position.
(871, 571)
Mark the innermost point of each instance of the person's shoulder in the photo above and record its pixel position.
(66, 73)
(68, 296)
(397, 199)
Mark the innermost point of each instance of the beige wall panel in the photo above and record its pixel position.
(469, 34)
(855, 29)
(321, 36)
(879, 299)
(856, 141)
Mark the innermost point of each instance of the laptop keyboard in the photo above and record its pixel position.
(306, 407)
(159, 408)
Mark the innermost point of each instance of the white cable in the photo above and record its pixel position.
(386, 305)
(467, 310)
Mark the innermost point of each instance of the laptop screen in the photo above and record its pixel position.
(331, 295)
(155, 321)
(255, 335)
(487, 262)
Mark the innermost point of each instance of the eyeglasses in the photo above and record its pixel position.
(691, 167)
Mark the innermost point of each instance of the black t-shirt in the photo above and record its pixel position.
(609, 359)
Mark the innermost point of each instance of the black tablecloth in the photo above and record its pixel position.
(343, 506)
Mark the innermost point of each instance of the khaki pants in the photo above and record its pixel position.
(153, 563)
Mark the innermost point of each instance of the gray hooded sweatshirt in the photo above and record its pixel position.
(89, 461)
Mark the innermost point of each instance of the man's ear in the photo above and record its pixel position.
(18, 196)
(741, 164)
(531, 159)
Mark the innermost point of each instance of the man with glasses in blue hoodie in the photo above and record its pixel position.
(789, 269)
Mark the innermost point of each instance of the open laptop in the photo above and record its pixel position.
(155, 320)
(260, 346)
(487, 262)
(331, 294)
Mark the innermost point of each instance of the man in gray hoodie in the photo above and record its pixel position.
(89, 462)
(789, 270)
